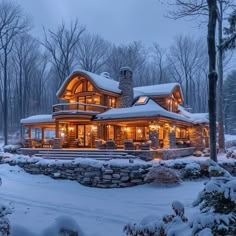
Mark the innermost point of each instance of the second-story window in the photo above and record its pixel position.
(112, 102)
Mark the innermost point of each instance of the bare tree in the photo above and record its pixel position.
(158, 60)
(132, 55)
(61, 45)
(12, 23)
(196, 8)
(92, 52)
(185, 58)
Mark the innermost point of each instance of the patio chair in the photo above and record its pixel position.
(129, 144)
(100, 144)
(110, 144)
(145, 146)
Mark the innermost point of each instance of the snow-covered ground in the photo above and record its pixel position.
(38, 200)
(229, 137)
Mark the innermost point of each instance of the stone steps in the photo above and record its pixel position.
(68, 155)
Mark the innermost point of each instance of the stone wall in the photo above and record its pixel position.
(112, 174)
(196, 137)
(95, 174)
(167, 154)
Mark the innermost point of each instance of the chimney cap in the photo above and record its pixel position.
(125, 68)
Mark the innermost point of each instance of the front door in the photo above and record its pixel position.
(86, 135)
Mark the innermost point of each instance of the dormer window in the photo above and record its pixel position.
(142, 100)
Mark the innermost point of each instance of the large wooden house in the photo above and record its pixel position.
(96, 109)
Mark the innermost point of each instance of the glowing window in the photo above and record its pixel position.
(141, 100)
(79, 89)
(90, 87)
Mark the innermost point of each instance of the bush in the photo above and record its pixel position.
(217, 202)
(171, 225)
(163, 175)
(63, 226)
(192, 171)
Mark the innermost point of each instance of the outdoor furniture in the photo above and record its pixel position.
(145, 146)
(110, 144)
(129, 145)
(100, 144)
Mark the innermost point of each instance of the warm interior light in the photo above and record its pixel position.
(71, 128)
(139, 130)
(94, 127)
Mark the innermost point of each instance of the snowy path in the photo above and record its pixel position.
(38, 200)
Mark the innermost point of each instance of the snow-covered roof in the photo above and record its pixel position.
(99, 80)
(37, 119)
(150, 109)
(108, 84)
(196, 118)
(156, 90)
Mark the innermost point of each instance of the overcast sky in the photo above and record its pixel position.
(119, 21)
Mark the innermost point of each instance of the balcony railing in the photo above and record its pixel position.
(77, 107)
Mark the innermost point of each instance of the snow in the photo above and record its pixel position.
(149, 109)
(38, 200)
(156, 90)
(196, 118)
(37, 119)
(99, 80)
(229, 137)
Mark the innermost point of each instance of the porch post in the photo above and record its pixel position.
(166, 138)
(42, 130)
(57, 129)
(29, 132)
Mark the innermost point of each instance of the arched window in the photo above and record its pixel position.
(84, 86)
(79, 88)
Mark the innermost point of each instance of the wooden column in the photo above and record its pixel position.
(57, 130)
(42, 130)
(29, 132)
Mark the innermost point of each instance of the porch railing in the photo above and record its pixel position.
(77, 107)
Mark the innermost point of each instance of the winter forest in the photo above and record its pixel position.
(33, 69)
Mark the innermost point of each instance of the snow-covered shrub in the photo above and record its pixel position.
(4, 222)
(12, 148)
(217, 202)
(197, 153)
(192, 170)
(171, 225)
(63, 226)
(162, 175)
(216, 171)
(231, 154)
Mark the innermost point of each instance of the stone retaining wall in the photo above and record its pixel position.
(111, 174)
(100, 175)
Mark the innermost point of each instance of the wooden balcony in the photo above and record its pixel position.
(78, 108)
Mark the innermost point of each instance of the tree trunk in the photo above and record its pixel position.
(212, 6)
(5, 98)
(221, 139)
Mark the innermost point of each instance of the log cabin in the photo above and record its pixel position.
(98, 112)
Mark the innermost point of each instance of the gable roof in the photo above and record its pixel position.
(157, 90)
(98, 80)
(111, 85)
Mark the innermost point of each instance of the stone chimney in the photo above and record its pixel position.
(126, 87)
